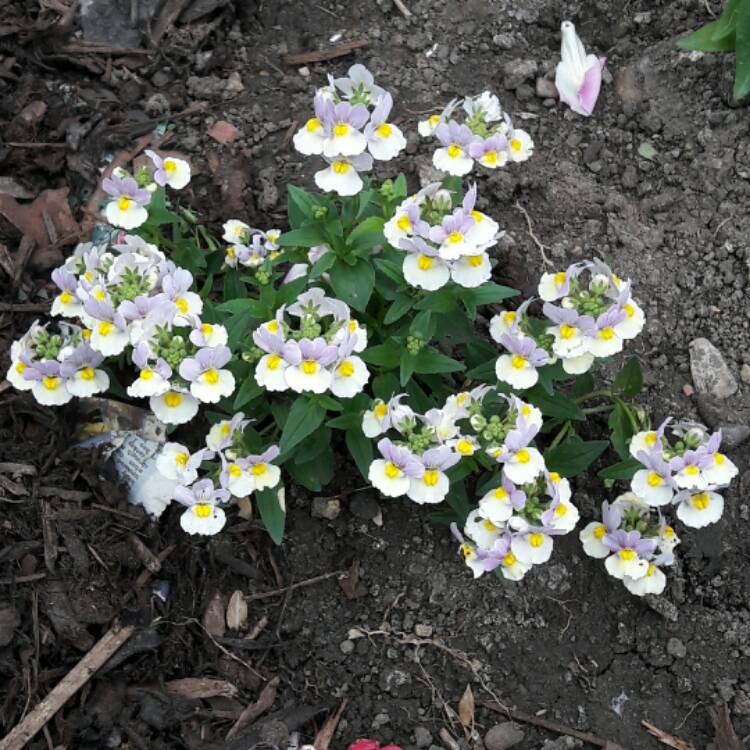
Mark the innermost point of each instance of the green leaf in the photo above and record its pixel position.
(239, 306)
(399, 186)
(303, 419)
(549, 374)
(489, 292)
(742, 72)
(623, 470)
(301, 205)
(441, 301)
(574, 455)
(484, 372)
(458, 502)
(407, 365)
(703, 40)
(346, 421)
(391, 269)
(307, 236)
(555, 405)
(360, 448)
(430, 360)
(401, 305)
(328, 402)
(367, 234)
(271, 512)
(582, 385)
(629, 381)
(647, 151)
(314, 475)
(353, 284)
(386, 355)
(289, 292)
(321, 265)
(248, 391)
(234, 288)
(622, 429)
(728, 22)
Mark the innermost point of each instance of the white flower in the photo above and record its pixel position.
(174, 407)
(213, 385)
(50, 390)
(577, 365)
(397, 228)
(605, 343)
(432, 487)
(633, 323)
(487, 103)
(148, 383)
(386, 141)
(502, 323)
(533, 417)
(425, 271)
(701, 509)
(524, 466)
(339, 177)
(721, 471)
(690, 477)
(496, 506)
(532, 547)
(67, 305)
(520, 145)
(516, 370)
(471, 270)
(126, 213)
(578, 76)
(108, 338)
(565, 516)
(562, 484)
(356, 329)
(484, 230)
(15, 376)
(176, 172)
(204, 519)
(388, 478)
(264, 475)
(652, 487)
(309, 139)
(453, 159)
(551, 286)
(172, 463)
(626, 563)
(87, 381)
(218, 435)
(308, 375)
(373, 420)
(512, 568)
(349, 377)
(643, 442)
(344, 140)
(269, 372)
(190, 306)
(235, 231)
(237, 480)
(214, 334)
(426, 128)
(472, 560)
(591, 538)
(464, 445)
(652, 582)
(481, 530)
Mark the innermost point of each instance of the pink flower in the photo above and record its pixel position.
(371, 745)
(578, 77)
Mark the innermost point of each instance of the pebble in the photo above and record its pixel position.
(676, 648)
(662, 607)
(745, 373)
(423, 631)
(545, 89)
(515, 72)
(347, 646)
(364, 505)
(422, 737)
(503, 736)
(710, 372)
(326, 507)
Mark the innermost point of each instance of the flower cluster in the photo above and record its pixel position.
(129, 195)
(311, 346)
(232, 471)
(635, 534)
(486, 136)
(129, 297)
(250, 248)
(592, 320)
(442, 243)
(350, 129)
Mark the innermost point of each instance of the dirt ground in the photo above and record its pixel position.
(404, 634)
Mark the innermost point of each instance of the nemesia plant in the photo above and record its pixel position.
(578, 76)
(359, 329)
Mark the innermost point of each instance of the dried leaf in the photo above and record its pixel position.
(647, 151)
(667, 739)
(325, 735)
(350, 583)
(213, 617)
(237, 611)
(222, 131)
(254, 710)
(725, 737)
(466, 707)
(246, 508)
(201, 687)
(8, 186)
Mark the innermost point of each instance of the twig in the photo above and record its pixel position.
(325, 734)
(669, 739)
(28, 144)
(145, 575)
(552, 726)
(530, 230)
(258, 629)
(402, 9)
(103, 49)
(24, 307)
(345, 48)
(254, 710)
(299, 584)
(107, 645)
(22, 579)
(150, 561)
(169, 14)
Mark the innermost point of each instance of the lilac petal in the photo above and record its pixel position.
(589, 91)
(190, 369)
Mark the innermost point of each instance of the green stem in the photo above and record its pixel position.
(592, 395)
(599, 409)
(561, 434)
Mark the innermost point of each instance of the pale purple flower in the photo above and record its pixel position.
(496, 146)
(297, 271)
(127, 187)
(450, 133)
(619, 539)
(208, 358)
(402, 458)
(526, 347)
(441, 458)
(81, 357)
(310, 350)
(65, 280)
(202, 492)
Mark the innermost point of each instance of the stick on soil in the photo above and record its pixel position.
(345, 48)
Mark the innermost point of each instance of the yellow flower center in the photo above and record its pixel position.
(66, 297)
(313, 124)
(525, 411)
(182, 304)
(650, 438)
(225, 429)
(340, 129)
(561, 510)
(509, 317)
(87, 373)
(309, 366)
(501, 493)
(346, 369)
(88, 276)
(627, 554)
(554, 477)
(258, 470)
(461, 397)
(170, 166)
(230, 252)
(600, 531)
(105, 328)
(380, 410)
(273, 361)
(392, 471)
(50, 383)
(206, 329)
(211, 376)
(203, 510)
(509, 559)
(465, 447)
(536, 539)
(272, 326)
(651, 570)
(86, 333)
(425, 262)
(353, 325)
(668, 532)
(490, 157)
(475, 260)
(516, 144)
(385, 130)
(467, 551)
(340, 167)
(518, 362)
(607, 333)
(124, 202)
(566, 331)
(523, 456)
(172, 399)
(434, 120)
(702, 501)
(181, 460)
(629, 309)
(100, 295)
(692, 470)
(234, 470)
(20, 367)
(560, 277)
(403, 223)
(489, 525)
(454, 150)
(719, 458)
(430, 477)
(146, 374)
(455, 237)
(654, 479)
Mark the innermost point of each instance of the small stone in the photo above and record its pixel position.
(346, 646)
(156, 104)
(422, 737)
(662, 606)
(364, 505)
(423, 631)
(545, 89)
(503, 736)
(710, 372)
(326, 507)
(745, 373)
(222, 131)
(234, 83)
(733, 435)
(688, 390)
(676, 648)
(503, 41)
(630, 177)
(515, 72)
(304, 72)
